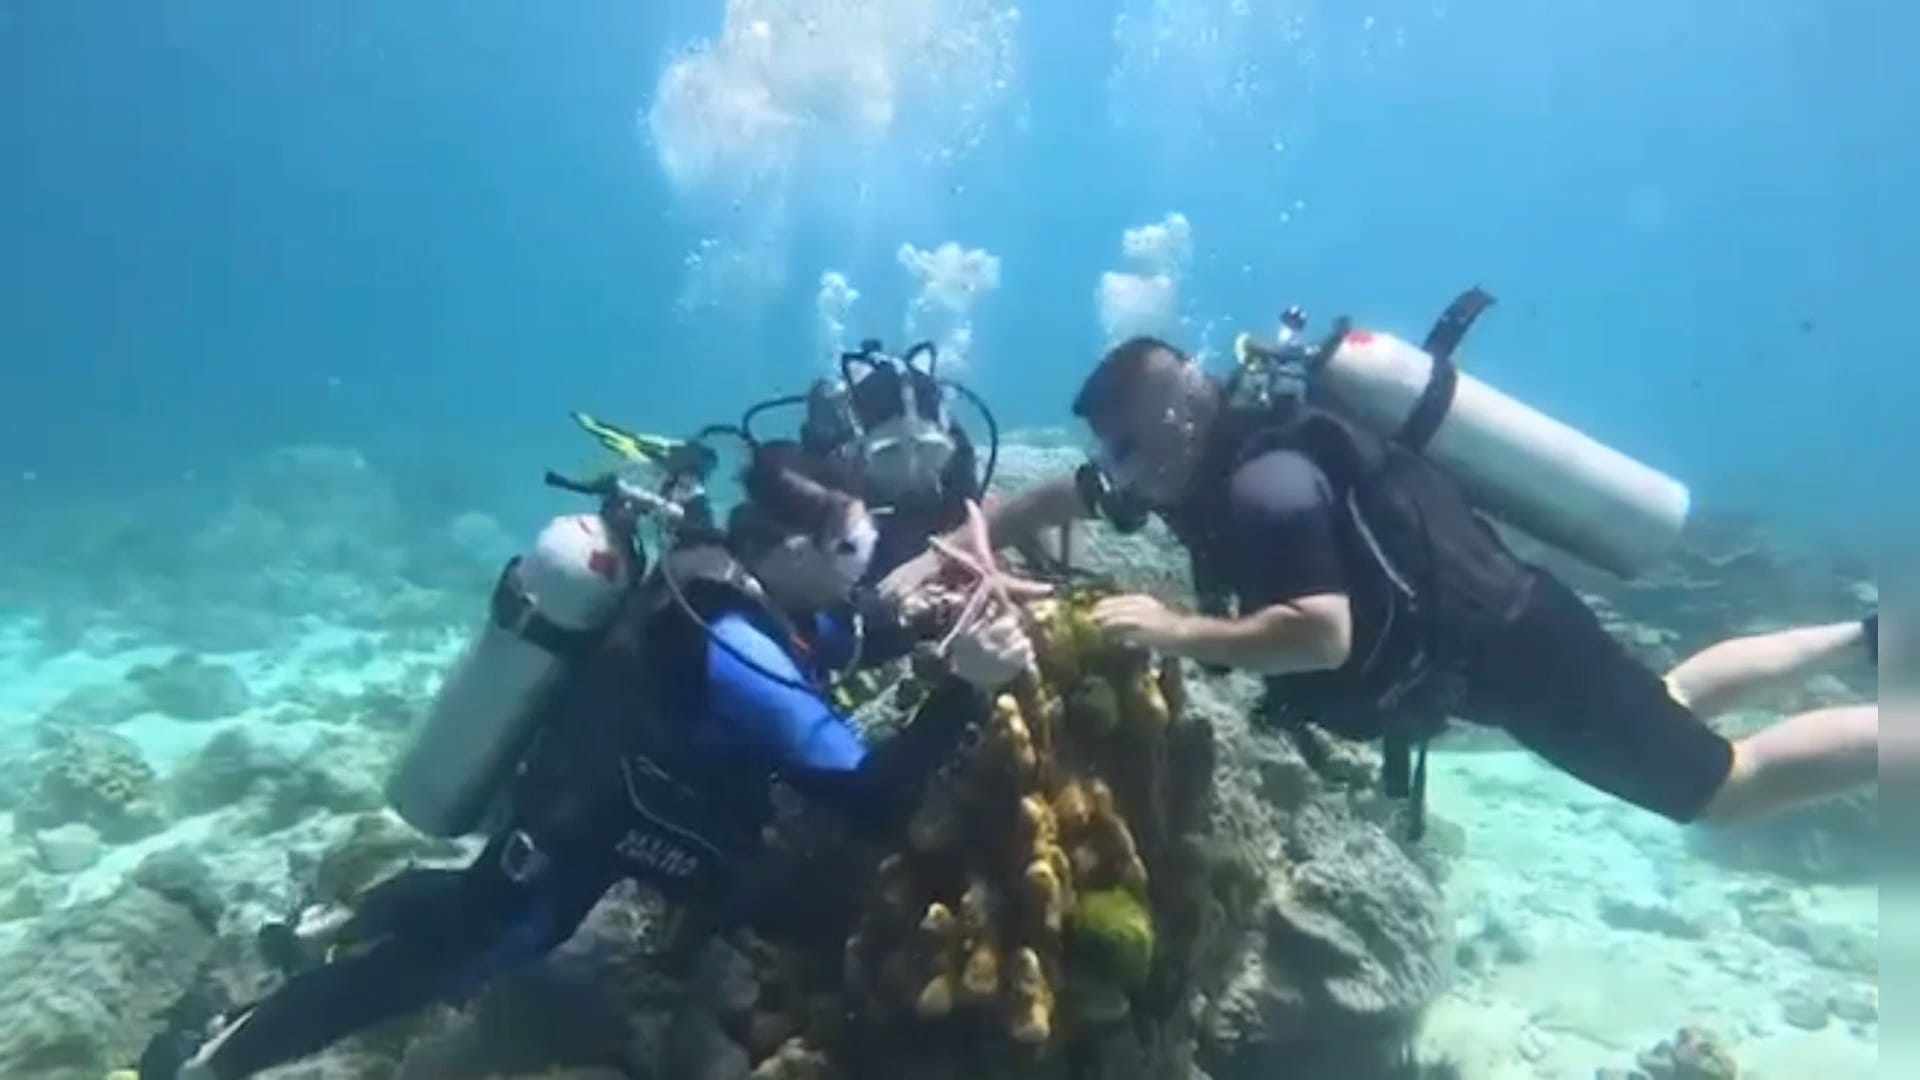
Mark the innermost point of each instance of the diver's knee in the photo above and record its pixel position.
(1734, 801)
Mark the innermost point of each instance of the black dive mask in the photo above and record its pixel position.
(892, 412)
(900, 420)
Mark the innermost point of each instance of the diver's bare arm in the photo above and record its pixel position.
(1018, 519)
(1313, 633)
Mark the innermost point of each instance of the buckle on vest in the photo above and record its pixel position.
(521, 860)
(513, 609)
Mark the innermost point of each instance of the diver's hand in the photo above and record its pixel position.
(1138, 619)
(905, 581)
(905, 585)
(991, 652)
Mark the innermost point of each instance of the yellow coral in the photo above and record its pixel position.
(1031, 1021)
(796, 1060)
(1006, 709)
(1107, 854)
(980, 980)
(939, 934)
(1015, 739)
(936, 998)
(1037, 829)
(1173, 685)
(976, 908)
(1023, 836)
(1047, 894)
(938, 923)
(1143, 704)
(1053, 644)
(1071, 808)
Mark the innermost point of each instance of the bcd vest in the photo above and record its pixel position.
(614, 766)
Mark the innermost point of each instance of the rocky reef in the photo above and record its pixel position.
(80, 992)
(92, 778)
(1692, 1054)
(300, 530)
(1118, 877)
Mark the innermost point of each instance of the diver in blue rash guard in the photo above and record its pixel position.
(655, 763)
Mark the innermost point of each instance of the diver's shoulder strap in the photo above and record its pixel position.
(512, 609)
(695, 565)
(704, 581)
(1444, 380)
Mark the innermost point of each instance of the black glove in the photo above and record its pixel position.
(1871, 624)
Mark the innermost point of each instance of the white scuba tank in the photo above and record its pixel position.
(481, 721)
(1528, 469)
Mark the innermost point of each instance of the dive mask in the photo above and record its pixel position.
(1119, 462)
(906, 456)
(851, 553)
(906, 439)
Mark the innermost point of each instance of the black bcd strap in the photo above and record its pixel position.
(1442, 340)
(513, 611)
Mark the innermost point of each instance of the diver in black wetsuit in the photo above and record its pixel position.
(888, 418)
(654, 763)
(1354, 575)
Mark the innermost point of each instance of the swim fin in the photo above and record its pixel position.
(634, 446)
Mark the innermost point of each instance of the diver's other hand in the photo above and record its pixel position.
(904, 582)
(991, 652)
(1139, 619)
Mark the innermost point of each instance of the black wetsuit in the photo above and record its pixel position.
(647, 770)
(1496, 640)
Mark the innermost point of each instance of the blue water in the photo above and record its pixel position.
(245, 244)
(428, 229)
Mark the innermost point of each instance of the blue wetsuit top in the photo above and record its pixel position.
(754, 719)
(764, 719)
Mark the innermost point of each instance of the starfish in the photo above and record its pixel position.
(973, 558)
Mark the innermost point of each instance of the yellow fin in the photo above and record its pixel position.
(633, 446)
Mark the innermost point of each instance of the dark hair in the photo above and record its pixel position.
(1117, 374)
(880, 395)
(788, 491)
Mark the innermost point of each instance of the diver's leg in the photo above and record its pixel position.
(1807, 756)
(320, 1006)
(489, 925)
(1564, 688)
(1721, 676)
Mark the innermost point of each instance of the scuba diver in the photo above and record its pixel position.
(686, 692)
(1346, 566)
(888, 417)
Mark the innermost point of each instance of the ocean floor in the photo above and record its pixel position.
(321, 665)
(1589, 932)
(1586, 932)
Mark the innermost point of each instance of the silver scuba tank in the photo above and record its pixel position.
(1526, 468)
(547, 601)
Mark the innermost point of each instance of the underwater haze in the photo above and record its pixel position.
(296, 297)
(431, 229)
